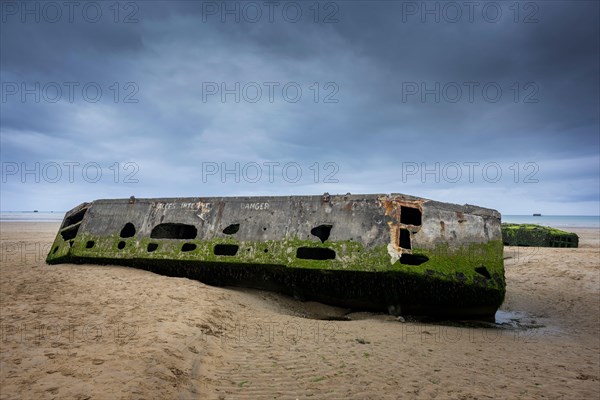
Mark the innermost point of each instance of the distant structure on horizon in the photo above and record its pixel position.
(537, 215)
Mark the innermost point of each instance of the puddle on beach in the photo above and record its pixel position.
(510, 320)
(518, 320)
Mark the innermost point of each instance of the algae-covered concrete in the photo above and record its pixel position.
(537, 236)
(402, 253)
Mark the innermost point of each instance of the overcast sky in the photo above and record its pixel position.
(487, 103)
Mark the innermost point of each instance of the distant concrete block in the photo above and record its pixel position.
(537, 236)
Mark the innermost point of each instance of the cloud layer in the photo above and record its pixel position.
(494, 104)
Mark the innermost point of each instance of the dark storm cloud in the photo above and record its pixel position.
(372, 57)
(43, 50)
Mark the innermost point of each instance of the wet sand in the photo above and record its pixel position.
(87, 331)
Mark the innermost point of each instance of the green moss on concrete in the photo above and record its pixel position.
(359, 277)
(538, 236)
(451, 263)
(446, 263)
(533, 227)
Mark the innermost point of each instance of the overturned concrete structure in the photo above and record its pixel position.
(537, 236)
(400, 253)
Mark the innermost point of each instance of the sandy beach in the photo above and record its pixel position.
(104, 332)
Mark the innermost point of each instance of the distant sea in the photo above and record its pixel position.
(557, 221)
(30, 216)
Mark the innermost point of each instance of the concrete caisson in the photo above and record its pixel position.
(400, 253)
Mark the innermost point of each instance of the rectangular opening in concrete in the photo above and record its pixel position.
(413, 259)
(315, 253)
(404, 238)
(70, 232)
(188, 247)
(226, 249)
(410, 216)
(74, 218)
(174, 231)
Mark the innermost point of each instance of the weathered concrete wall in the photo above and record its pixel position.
(414, 254)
